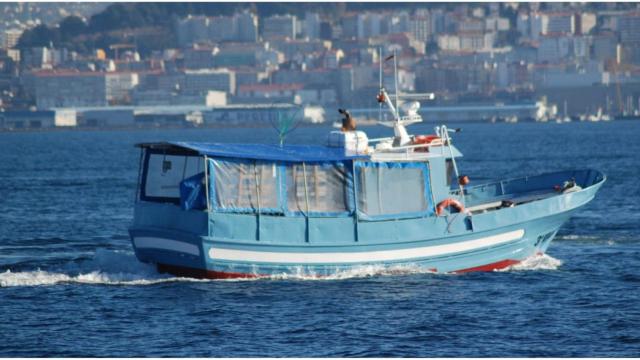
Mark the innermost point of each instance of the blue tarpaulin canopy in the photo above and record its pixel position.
(294, 153)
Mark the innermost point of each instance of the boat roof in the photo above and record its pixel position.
(294, 153)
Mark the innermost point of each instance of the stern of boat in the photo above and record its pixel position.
(171, 238)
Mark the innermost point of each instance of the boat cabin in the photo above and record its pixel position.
(295, 180)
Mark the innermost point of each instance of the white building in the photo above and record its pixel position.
(523, 24)
(396, 23)
(22, 119)
(449, 42)
(553, 48)
(369, 25)
(562, 76)
(497, 24)
(472, 41)
(587, 22)
(192, 29)
(535, 22)
(250, 114)
(279, 27)
(241, 27)
(201, 81)
(312, 25)
(558, 23)
(246, 25)
(107, 117)
(10, 38)
(558, 48)
(161, 97)
(604, 46)
(420, 27)
(76, 89)
(629, 28)
(221, 28)
(118, 85)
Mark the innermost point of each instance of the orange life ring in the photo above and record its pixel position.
(449, 202)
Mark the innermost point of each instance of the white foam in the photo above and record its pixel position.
(363, 271)
(536, 262)
(39, 277)
(107, 267)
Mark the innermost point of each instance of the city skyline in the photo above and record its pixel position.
(566, 59)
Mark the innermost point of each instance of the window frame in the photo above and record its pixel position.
(145, 174)
(428, 193)
(213, 194)
(349, 189)
(282, 208)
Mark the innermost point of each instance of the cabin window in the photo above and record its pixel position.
(245, 186)
(163, 174)
(323, 192)
(449, 164)
(393, 189)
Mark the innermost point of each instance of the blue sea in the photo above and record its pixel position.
(71, 286)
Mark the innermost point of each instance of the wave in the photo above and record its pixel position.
(144, 274)
(535, 263)
(356, 272)
(107, 267)
(113, 267)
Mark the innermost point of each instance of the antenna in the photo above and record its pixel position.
(284, 124)
(401, 136)
(380, 76)
(395, 76)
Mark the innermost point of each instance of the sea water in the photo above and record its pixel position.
(71, 286)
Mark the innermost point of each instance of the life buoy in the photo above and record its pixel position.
(449, 202)
(425, 139)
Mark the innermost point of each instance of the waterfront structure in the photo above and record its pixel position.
(37, 119)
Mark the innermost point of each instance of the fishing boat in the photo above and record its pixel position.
(221, 210)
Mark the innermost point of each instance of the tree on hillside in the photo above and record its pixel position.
(40, 35)
(71, 26)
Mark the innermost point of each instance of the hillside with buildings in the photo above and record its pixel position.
(214, 64)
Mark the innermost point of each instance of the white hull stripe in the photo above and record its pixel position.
(166, 244)
(362, 256)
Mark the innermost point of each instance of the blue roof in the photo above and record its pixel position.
(294, 153)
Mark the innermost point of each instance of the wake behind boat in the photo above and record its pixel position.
(250, 210)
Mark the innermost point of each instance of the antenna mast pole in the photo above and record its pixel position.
(395, 70)
(380, 76)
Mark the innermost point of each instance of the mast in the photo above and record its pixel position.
(380, 76)
(395, 76)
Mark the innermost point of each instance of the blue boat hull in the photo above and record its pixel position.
(227, 246)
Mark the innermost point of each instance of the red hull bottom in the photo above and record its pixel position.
(490, 267)
(208, 274)
(201, 273)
